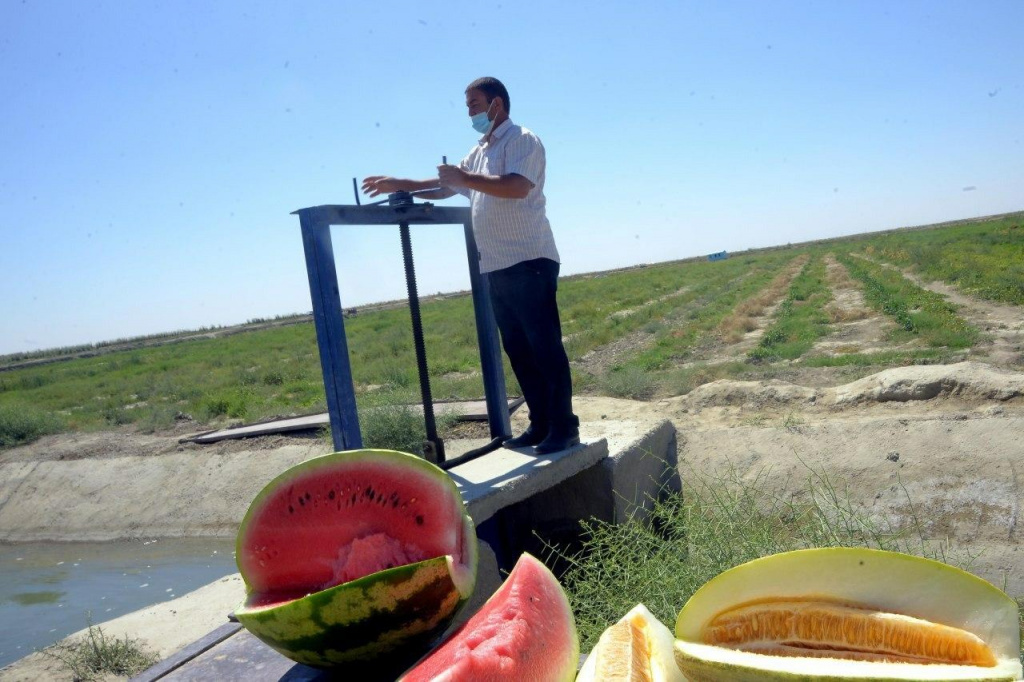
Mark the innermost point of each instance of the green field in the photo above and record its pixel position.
(651, 327)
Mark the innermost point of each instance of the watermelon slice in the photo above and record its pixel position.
(356, 559)
(525, 631)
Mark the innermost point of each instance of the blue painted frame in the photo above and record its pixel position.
(315, 223)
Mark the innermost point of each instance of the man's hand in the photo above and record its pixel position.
(451, 176)
(381, 184)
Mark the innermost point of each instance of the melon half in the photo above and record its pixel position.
(845, 614)
(356, 560)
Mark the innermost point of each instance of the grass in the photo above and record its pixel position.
(24, 424)
(688, 326)
(983, 259)
(96, 655)
(800, 320)
(715, 524)
(918, 313)
(629, 382)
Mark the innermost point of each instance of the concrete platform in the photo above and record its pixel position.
(517, 499)
(466, 410)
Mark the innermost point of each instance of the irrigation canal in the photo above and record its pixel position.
(50, 590)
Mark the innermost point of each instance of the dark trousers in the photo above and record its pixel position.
(523, 298)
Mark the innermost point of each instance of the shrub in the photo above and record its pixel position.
(629, 382)
(20, 424)
(96, 655)
(393, 427)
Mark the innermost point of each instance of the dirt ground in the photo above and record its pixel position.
(933, 448)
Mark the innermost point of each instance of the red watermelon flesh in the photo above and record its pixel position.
(331, 525)
(525, 631)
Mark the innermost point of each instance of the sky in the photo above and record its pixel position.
(151, 153)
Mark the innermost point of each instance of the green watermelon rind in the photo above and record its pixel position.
(392, 611)
(464, 571)
(394, 614)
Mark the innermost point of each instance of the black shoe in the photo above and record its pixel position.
(531, 436)
(557, 441)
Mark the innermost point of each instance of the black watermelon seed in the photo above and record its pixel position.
(291, 509)
(330, 495)
(302, 502)
(419, 520)
(307, 496)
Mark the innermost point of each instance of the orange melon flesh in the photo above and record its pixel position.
(627, 653)
(823, 628)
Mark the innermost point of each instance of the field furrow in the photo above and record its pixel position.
(1002, 325)
(856, 327)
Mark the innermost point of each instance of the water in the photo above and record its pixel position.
(49, 590)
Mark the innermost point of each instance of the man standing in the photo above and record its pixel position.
(503, 177)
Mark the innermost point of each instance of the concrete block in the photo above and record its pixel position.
(640, 468)
(504, 478)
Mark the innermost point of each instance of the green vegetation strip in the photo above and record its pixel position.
(800, 320)
(919, 313)
(983, 259)
(717, 299)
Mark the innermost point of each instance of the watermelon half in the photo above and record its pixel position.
(357, 559)
(525, 631)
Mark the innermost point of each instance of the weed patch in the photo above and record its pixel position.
(21, 424)
(96, 655)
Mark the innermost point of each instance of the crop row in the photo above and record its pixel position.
(801, 319)
(919, 313)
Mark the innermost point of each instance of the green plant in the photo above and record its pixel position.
(629, 382)
(23, 424)
(96, 654)
(800, 320)
(918, 312)
(392, 427)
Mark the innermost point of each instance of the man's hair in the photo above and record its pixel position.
(492, 87)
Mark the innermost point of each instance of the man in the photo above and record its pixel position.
(503, 176)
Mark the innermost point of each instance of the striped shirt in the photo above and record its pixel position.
(509, 231)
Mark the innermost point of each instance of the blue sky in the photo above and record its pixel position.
(151, 153)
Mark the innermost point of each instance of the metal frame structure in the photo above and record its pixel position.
(330, 324)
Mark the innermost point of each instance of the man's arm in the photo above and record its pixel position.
(508, 186)
(384, 184)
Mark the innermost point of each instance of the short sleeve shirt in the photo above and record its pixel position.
(509, 231)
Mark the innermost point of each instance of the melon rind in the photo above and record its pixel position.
(887, 581)
(385, 620)
(386, 612)
(708, 663)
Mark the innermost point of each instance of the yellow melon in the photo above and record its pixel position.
(848, 613)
